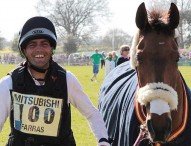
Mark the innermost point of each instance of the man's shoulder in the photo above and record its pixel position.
(18, 69)
(92, 55)
(57, 70)
(6, 80)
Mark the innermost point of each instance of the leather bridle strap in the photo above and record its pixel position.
(141, 136)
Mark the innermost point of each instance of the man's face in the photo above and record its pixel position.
(38, 52)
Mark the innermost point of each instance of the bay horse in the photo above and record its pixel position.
(146, 101)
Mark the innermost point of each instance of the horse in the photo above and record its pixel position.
(146, 101)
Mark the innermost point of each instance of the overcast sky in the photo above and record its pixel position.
(13, 14)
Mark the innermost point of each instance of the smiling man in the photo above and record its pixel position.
(37, 94)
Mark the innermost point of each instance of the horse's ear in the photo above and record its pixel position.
(173, 16)
(141, 17)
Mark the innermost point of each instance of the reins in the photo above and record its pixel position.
(142, 135)
(143, 131)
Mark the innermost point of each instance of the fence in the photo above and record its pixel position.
(64, 60)
(10, 59)
(184, 62)
(59, 58)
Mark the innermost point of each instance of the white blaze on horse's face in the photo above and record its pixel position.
(159, 106)
(162, 97)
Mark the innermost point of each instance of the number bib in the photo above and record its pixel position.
(37, 115)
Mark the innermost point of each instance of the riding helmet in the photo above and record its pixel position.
(34, 28)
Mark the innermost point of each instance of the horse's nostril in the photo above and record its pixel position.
(168, 127)
(157, 132)
(151, 129)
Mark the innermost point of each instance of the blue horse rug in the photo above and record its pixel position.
(123, 115)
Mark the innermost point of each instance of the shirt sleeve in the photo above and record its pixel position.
(5, 99)
(92, 56)
(80, 100)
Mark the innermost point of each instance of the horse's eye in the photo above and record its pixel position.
(139, 59)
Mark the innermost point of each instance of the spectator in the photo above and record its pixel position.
(124, 50)
(109, 63)
(96, 57)
(114, 57)
(103, 60)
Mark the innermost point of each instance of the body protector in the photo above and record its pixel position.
(40, 115)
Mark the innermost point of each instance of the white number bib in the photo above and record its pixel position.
(37, 115)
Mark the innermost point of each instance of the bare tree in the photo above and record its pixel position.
(185, 22)
(75, 17)
(14, 43)
(184, 28)
(69, 44)
(114, 38)
(2, 42)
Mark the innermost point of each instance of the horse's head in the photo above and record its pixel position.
(154, 55)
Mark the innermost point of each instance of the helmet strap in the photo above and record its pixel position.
(40, 70)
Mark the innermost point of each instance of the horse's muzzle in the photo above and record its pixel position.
(159, 128)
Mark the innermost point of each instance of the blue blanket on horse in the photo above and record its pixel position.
(117, 105)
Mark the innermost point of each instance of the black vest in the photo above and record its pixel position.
(56, 88)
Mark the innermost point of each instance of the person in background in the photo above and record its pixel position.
(37, 94)
(96, 57)
(109, 63)
(103, 60)
(114, 57)
(124, 50)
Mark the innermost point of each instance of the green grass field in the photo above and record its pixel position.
(82, 132)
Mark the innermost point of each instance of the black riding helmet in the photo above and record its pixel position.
(34, 28)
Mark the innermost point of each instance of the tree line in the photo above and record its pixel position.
(75, 22)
